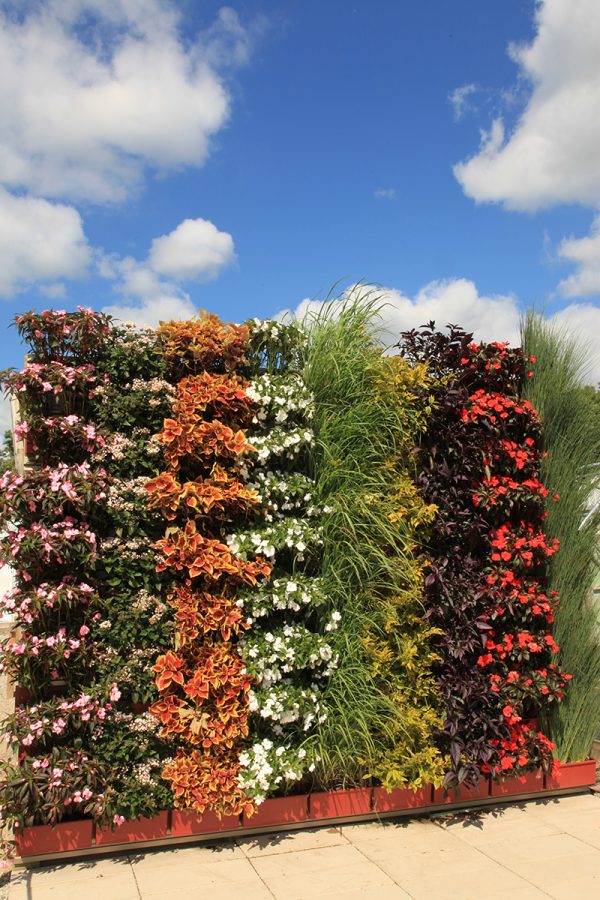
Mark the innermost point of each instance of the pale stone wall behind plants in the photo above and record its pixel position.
(7, 702)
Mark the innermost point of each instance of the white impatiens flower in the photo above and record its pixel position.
(264, 766)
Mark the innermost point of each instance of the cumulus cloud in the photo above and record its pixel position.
(151, 290)
(153, 310)
(551, 156)
(459, 302)
(54, 291)
(144, 298)
(454, 301)
(39, 240)
(95, 92)
(195, 250)
(585, 253)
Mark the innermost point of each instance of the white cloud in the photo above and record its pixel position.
(458, 301)
(551, 156)
(585, 253)
(54, 291)
(459, 99)
(195, 250)
(39, 241)
(385, 193)
(153, 310)
(455, 301)
(582, 320)
(145, 298)
(94, 92)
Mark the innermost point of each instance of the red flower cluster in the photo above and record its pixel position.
(494, 406)
(517, 645)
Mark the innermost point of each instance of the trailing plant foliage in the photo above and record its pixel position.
(570, 416)
(486, 589)
(382, 700)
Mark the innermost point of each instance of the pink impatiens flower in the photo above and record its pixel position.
(115, 693)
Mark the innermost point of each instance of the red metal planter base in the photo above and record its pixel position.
(572, 775)
(42, 842)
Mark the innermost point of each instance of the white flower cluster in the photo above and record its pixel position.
(127, 494)
(286, 703)
(282, 443)
(294, 594)
(141, 723)
(118, 445)
(265, 766)
(135, 548)
(297, 535)
(290, 338)
(280, 398)
(267, 329)
(270, 656)
(289, 661)
(147, 773)
(281, 493)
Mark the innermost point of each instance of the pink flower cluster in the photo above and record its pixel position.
(83, 433)
(46, 721)
(55, 544)
(32, 644)
(46, 491)
(28, 605)
(51, 378)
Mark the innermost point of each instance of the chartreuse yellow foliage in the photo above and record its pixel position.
(382, 701)
(399, 643)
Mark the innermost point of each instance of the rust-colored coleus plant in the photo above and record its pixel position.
(206, 441)
(218, 495)
(185, 549)
(202, 613)
(207, 397)
(204, 343)
(204, 780)
(202, 681)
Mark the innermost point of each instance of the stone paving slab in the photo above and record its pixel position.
(522, 851)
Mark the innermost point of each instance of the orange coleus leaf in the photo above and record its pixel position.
(169, 671)
(185, 548)
(218, 666)
(203, 342)
(167, 710)
(197, 612)
(208, 396)
(202, 441)
(201, 780)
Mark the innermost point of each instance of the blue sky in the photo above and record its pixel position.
(157, 158)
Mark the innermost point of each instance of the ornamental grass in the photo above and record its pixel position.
(382, 700)
(570, 417)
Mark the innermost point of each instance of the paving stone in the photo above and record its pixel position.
(291, 842)
(216, 878)
(321, 872)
